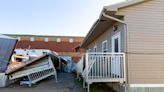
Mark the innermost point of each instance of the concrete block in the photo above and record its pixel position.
(3, 80)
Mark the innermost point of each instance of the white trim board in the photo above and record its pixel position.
(102, 49)
(116, 36)
(95, 48)
(146, 85)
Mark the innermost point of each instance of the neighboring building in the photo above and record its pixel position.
(134, 28)
(63, 45)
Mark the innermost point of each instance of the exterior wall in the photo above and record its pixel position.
(50, 38)
(51, 45)
(145, 42)
(64, 48)
(142, 89)
(107, 35)
(73, 54)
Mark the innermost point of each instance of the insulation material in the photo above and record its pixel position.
(70, 67)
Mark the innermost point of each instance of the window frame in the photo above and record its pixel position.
(71, 40)
(95, 48)
(32, 39)
(105, 42)
(58, 40)
(46, 39)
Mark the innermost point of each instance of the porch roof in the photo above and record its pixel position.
(101, 25)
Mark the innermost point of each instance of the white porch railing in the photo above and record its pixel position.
(104, 67)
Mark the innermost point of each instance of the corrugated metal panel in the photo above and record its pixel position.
(7, 46)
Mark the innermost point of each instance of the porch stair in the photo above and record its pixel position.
(103, 67)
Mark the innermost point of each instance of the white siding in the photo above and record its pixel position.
(146, 42)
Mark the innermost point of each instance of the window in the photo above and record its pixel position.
(104, 46)
(45, 39)
(71, 40)
(32, 39)
(95, 48)
(88, 50)
(58, 40)
(18, 38)
(116, 43)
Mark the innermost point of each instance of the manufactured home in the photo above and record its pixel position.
(125, 47)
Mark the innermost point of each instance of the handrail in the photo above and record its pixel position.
(105, 53)
(100, 65)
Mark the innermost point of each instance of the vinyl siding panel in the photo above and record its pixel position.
(145, 42)
(146, 69)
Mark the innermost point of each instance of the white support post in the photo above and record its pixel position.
(30, 81)
(51, 64)
(84, 84)
(106, 67)
(86, 65)
(124, 61)
(88, 87)
(60, 65)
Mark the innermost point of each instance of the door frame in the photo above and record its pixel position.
(115, 60)
(115, 36)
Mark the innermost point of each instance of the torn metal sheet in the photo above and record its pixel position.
(6, 49)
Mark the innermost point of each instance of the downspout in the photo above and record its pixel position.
(126, 51)
(126, 44)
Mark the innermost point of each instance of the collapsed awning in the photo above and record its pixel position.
(21, 66)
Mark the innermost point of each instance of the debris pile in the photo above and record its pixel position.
(26, 68)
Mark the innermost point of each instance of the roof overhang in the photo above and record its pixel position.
(100, 26)
(123, 4)
(106, 19)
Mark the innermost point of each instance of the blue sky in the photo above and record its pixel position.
(50, 17)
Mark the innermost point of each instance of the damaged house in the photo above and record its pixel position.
(125, 47)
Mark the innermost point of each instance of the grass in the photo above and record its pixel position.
(95, 88)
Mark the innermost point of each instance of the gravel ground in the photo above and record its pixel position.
(66, 83)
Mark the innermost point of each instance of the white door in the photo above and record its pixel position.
(115, 58)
